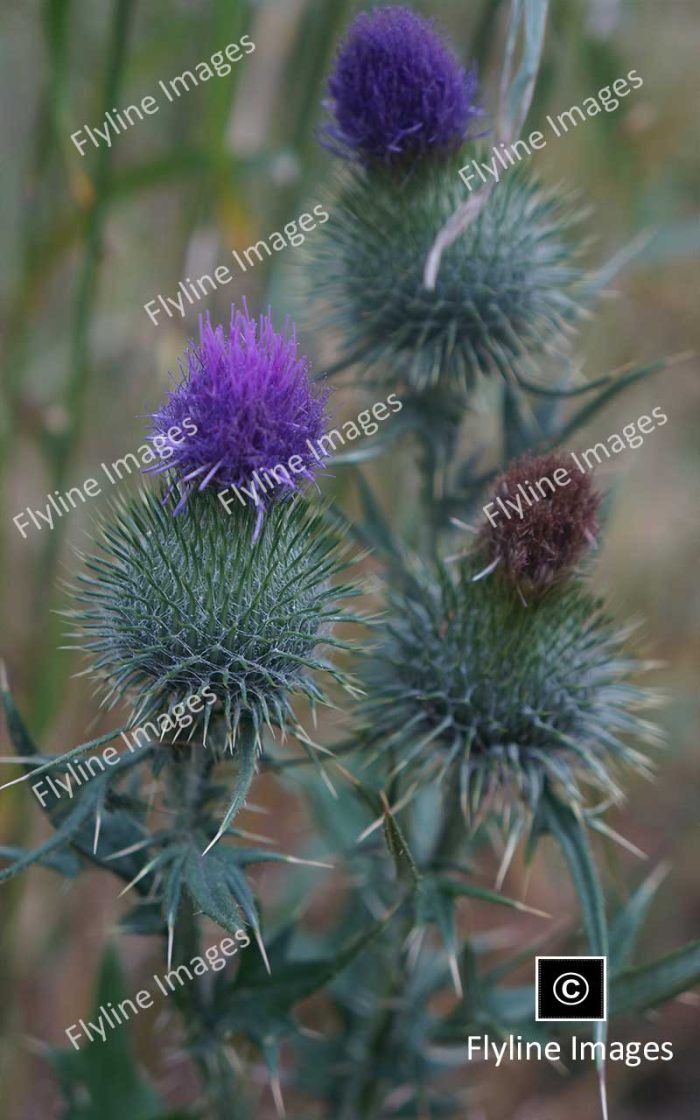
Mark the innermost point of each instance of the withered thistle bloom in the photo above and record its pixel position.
(397, 91)
(246, 394)
(536, 528)
(499, 699)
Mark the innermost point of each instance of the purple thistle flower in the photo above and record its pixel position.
(397, 90)
(246, 391)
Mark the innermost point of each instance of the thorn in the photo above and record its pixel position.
(277, 1094)
(370, 829)
(389, 811)
(525, 909)
(211, 843)
(127, 851)
(463, 525)
(307, 1032)
(329, 784)
(456, 978)
(310, 862)
(263, 953)
(98, 826)
(142, 872)
(522, 598)
(15, 781)
(603, 1092)
(487, 570)
(245, 835)
(508, 854)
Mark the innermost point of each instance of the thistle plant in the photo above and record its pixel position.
(509, 290)
(495, 697)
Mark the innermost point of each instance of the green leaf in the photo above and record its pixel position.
(436, 904)
(145, 918)
(61, 760)
(531, 15)
(66, 863)
(470, 890)
(508, 1006)
(520, 428)
(652, 984)
(208, 885)
(246, 751)
(399, 850)
(626, 926)
(260, 1006)
(101, 1081)
(21, 739)
(570, 834)
(588, 411)
(70, 824)
(567, 829)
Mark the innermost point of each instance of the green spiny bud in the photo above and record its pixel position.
(171, 606)
(505, 291)
(471, 685)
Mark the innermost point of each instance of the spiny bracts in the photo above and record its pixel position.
(475, 688)
(170, 606)
(508, 290)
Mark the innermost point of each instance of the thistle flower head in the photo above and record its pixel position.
(180, 604)
(508, 289)
(558, 523)
(246, 392)
(397, 90)
(471, 686)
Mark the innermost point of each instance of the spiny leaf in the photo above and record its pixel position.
(658, 982)
(246, 751)
(207, 883)
(66, 863)
(68, 827)
(568, 831)
(628, 922)
(101, 1081)
(398, 847)
(470, 890)
(261, 1006)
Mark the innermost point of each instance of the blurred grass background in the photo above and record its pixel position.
(85, 242)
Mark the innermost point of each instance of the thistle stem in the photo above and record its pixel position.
(364, 1095)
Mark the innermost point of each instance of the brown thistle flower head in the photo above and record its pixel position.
(541, 519)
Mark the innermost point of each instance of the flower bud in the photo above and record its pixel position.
(191, 603)
(506, 290)
(497, 698)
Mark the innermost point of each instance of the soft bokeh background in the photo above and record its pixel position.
(87, 241)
